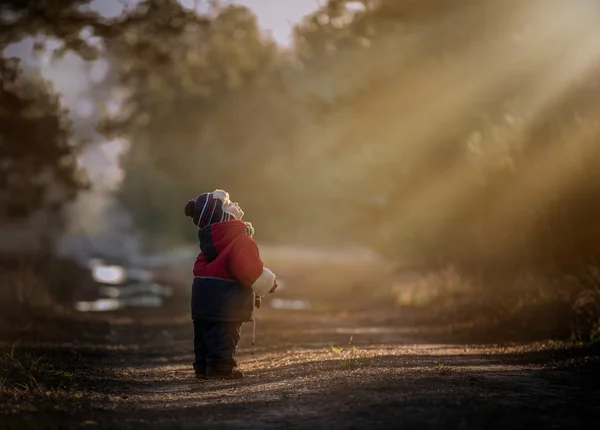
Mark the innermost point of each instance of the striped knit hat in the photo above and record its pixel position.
(207, 208)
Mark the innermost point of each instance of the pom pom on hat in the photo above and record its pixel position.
(189, 208)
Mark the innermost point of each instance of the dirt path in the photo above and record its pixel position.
(317, 372)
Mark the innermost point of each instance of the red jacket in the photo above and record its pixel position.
(227, 273)
(228, 252)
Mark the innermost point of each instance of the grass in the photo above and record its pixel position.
(427, 290)
(561, 305)
(24, 373)
(35, 382)
(442, 368)
(349, 357)
(25, 292)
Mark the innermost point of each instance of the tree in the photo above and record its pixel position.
(65, 21)
(433, 163)
(38, 166)
(185, 78)
(38, 157)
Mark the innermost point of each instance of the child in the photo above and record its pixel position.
(228, 273)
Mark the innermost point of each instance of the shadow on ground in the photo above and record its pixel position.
(308, 370)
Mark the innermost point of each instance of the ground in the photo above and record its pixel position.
(312, 370)
(353, 359)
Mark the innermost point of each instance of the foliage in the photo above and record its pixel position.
(455, 167)
(173, 109)
(28, 373)
(38, 165)
(38, 157)
(66, 21)
(377, 118)
(439, 133)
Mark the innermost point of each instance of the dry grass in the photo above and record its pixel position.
(26, 373)
(425, 290)
(23, 291)
(33, 381)
(573, 302)
(29, 312)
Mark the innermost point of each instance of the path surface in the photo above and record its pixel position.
(312, 372)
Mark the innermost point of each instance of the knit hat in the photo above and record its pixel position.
(207, 208)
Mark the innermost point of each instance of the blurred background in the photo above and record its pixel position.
(436, 160)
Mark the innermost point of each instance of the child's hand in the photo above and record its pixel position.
(274, 287)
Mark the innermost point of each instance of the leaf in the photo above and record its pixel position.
(337, 350)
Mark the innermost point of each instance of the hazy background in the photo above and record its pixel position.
(454, 140)
(74, 79)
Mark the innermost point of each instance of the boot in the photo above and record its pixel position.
(200, 371)
(220, 374)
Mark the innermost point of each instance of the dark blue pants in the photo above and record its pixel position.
(215, 344)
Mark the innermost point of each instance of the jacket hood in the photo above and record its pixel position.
(216, 237)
